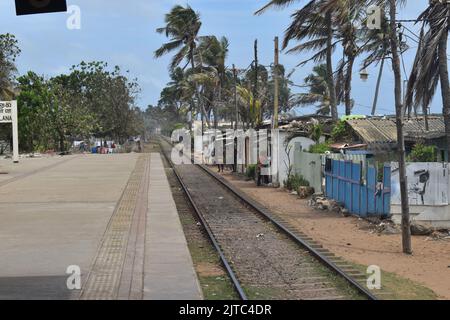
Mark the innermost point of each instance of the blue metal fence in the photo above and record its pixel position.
(363, 196)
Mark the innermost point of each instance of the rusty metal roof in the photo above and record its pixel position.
(384, 130)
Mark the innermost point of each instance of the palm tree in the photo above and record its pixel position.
(318, 93)
(347, 14)
(430, 65)
(213, 53)
(253, 106)
(172, 95)
(315, 25)
(182, 27)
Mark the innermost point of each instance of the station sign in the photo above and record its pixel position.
(8, 114)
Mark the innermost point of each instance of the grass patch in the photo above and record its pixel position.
(340, 283)
(262, 293)
(395, 287)
(214, 281)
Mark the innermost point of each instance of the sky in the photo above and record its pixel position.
(123, 33)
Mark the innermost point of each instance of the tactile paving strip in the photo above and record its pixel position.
(104, 277)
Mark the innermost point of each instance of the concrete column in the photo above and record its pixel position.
(15, 132)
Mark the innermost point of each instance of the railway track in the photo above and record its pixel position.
(263, 257)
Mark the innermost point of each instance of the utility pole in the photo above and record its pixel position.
(235, 98)
(406, 223)
(275, 102)
(255, 86)
(276, 85)
(380, 74)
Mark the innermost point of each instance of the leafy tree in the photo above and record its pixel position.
(33, 99)
(110, 95)
(50, 116)
(9, 51)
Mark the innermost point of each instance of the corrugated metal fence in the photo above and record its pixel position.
(360, 193)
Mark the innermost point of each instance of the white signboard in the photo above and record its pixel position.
(6, 110)
(428, 183)
(8, 114)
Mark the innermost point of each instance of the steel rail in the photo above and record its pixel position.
(262, 212)
(266, 215)
(230, 272)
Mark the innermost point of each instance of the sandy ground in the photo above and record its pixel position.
(347, 237)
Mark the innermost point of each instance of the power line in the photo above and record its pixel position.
(412, 32)
(419, 20)
(364, 106)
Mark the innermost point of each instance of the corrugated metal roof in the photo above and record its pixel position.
(415, 128)
(374, 131)
(384, 130)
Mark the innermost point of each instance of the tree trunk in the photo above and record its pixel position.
(348, 86)
(445, 90)
(330, 79)
(61, 143)
(406, 228)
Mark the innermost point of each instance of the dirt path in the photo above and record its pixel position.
(346, 237)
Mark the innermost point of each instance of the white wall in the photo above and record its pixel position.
(283, 157)
(436, 215)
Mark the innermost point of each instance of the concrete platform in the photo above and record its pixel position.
(53, 218)
(111, 215)
(168, 270)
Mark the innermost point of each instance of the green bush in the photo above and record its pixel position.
(251, 171)
(340, 131)
(295, 181)
(178, 126)
(319, 148)
(317, 132)
(422, 153)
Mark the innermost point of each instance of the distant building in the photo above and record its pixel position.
(380, 134)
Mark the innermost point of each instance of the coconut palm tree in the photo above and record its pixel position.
(252, 106)
(317, 94)
(313, 27)
(213, 53)
(347, 15)
(430, 66)
(182, 27)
